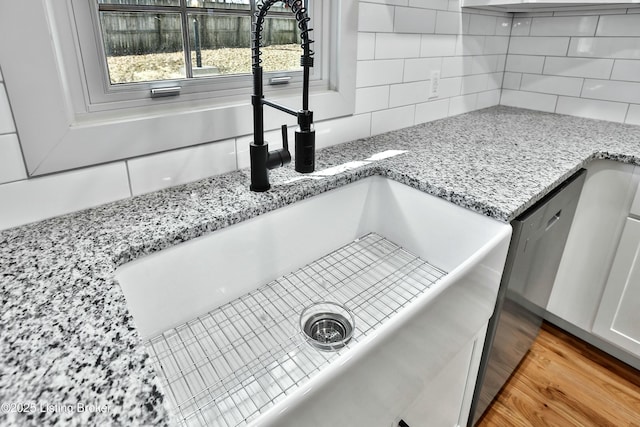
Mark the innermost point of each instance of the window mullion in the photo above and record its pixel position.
(185, 39)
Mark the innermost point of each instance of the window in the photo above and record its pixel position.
(130, 47)
(69, 113)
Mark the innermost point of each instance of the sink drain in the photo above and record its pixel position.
(327, 325)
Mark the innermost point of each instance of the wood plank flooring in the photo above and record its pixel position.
(564, 381)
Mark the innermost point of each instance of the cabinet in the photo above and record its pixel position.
(543, 5)
(618, 317)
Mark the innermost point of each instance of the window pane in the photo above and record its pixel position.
(220, 45)
(221, 4)
(142, 2)
(143, 46)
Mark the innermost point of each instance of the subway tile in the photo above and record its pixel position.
(503, 26)
(375, 17)
(484, 64)
(432, 110)
(501, 62)
(171, 168)
(554, 46)
(391, 2)
(610, 90)
(391, 46)
(530, 100)
(482, 25)
(420, 68)
(605, 47)
(626, 70)
(438, 45)
(633, 115)
(578, 67)
(524, 63)
(366, 46)
(474, 84)
(619, 25)
(521, 26)
(602, 110)
(457, 66)
(512, 80)
(569, 86)
(564, 26)
(36, 199)
(1, 78)
(431, 4)
(392, 119)
(11, 162)
(381, 72)
(495, 81)
(412, 20)
(454, 6)
(6, 118)
(469, 45)
(451, 22)
(372, 98)
(488, 99)
(494, 45)
(462, 104)
(337, 131)
(408, 93)
(450, 87)
(594, 10)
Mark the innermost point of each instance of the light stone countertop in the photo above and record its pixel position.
(66, 335)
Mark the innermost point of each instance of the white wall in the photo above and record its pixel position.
(400, 42)
(583, 64)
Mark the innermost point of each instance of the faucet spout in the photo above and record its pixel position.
(261, 158)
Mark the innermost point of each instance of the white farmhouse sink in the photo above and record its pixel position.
(419, 365)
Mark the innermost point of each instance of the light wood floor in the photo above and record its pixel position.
(564, 381)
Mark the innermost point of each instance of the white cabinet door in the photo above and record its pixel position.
(618, 317)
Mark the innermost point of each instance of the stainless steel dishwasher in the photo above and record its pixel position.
(538, 240)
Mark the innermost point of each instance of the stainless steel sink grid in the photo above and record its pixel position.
(327, 325)
(227, 367)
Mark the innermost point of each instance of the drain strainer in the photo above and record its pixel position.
(327, 325)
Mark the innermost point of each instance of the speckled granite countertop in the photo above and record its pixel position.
(69, 350)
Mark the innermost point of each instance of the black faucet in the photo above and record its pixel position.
(261, 158)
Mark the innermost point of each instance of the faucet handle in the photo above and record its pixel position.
(285, 138)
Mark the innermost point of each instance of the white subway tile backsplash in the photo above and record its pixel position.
(554, 46)
(421, 68)
(494, 45)
(482, 25)
(408, 93)
(375, 17)
(390, 2)
(624, 69)
(372, 98)
(564, 26)
(450, 87)
(475, 83)
(1, 78)
(569, 86)
(158, 171)
(610, 90)
(431, 4)
(39, 198)
(412, 20)
(604, 110)
(454, 5)
(503, 26)
(530, 100)
(438, 45)
(380, 72)
(6, 118)
(11, 162)
(469, 45)
(432, 110)
(512, 80)
(605, 47)
(520, 26)
(619, 25)
(488, 99)
(392, 119)
(457, 66)
(524, 63)
(391, 46)
(484, 64)
(452, 23)
(495, 81)
(337, 131)
(366, 46)
(578, 67)
(633, 115)
(462, 104)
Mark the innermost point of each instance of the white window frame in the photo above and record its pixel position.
(60, 129)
